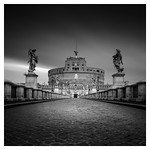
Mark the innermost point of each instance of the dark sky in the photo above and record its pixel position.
(54, 29)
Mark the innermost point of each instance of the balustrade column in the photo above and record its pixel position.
(20, 92)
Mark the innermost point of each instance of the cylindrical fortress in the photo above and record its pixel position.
(76, 79)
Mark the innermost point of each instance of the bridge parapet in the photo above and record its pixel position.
(130, 93)
(18, 92)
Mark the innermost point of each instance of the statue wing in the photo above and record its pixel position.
(29, 52)
(36, 59)
(121, 59)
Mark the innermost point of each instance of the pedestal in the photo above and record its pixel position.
(118, 80)
(31, 80)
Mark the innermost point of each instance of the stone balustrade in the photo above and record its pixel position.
(35, 93)
(19, 92)
(130, 93)
(40, 94)
(28, 93)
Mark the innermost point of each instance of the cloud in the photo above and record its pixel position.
(14, 65)
(14, 70)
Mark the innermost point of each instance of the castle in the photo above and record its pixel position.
(76, 78)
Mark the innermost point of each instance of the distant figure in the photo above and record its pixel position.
(76, 53)
(33, 59)
(117, 60)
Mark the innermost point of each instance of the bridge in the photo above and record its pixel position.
(75, 109)
(55, 119)
(73, 122)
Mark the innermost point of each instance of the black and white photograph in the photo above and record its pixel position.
(74, 75)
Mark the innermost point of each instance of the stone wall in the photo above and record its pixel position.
(19, 92)
(130, 93)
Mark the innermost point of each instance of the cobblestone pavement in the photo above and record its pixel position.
(74, 122)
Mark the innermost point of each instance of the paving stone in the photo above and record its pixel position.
(76, 122)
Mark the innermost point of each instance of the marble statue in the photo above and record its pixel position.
(33, 60)
(117, 60)
(76, 53)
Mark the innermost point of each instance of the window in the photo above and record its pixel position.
(97, 70)
(76, 69)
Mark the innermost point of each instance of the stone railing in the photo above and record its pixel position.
(19, 92)
(130, 93)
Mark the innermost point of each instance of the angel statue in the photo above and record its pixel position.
(117, 60)
(76, 53)
(33, 60)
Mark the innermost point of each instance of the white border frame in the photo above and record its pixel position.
(147, 2)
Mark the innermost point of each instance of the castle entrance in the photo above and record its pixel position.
(75, 95)
(76, 90)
